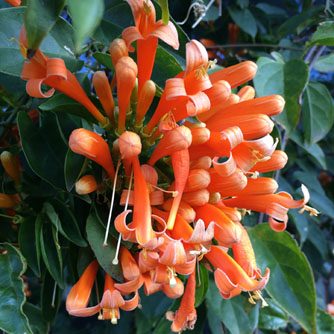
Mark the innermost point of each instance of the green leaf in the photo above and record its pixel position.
(12, 266)
(272, 317)
(324, 34)
(318, 112)
(51, 252)
(291, 283)
(86, 16)
(28, 244)
(287, 80)
(34, 314)
(325, 323)
(202, 284)
(95, 235)
(104, 59)
(43, 146)
(314, 150)
(50, 298)
(244, 19)
(39, 17)
(62, 103)
(228, 311)
(58, 43)
(73, 168)
(165, 12)
(289, 27)
(317, 238)
(64, 221)
(325, 64)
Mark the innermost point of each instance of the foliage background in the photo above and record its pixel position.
(50, 241)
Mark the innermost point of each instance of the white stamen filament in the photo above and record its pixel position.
(115, 260)
(105, 243)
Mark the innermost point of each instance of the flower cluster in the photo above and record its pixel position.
(215, 142)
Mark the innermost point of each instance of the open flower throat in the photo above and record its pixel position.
(216, 161)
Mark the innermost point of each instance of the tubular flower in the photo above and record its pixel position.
(86, 185)
(186, 315)
(93, 147)
(146, 32)
(53, 73)
(11, 166)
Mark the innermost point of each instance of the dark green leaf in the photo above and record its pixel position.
(290, 26)
(244, 19)
(64, 221)
(39, 17)
(243, 3)
(51, 252)
(86, 16)
(28, 244)
(62, 103)
(313, 150)
(58, 43)
(202, 284)
(325, 64)
(73, 168)
(42, 147)
(324, 35)
(272, 317)
(291, 284)
(301, 222)
(95, 235)
(50, 298)
(318, 112)
(228, 311)
(12, 266)
(34, 314)
(317, 238)
(271, 10)
(325, 323)
(104, 59)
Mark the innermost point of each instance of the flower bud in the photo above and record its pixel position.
(11, 166)
(6, 202)
(118, 49)
(129, 145)
(197, 179)
(86, 185)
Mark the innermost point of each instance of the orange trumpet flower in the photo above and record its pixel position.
(230, 278)
(146, 32)
(53, 73)
(185, 317)
(93, 147)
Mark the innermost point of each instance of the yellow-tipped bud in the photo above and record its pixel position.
(86, 185)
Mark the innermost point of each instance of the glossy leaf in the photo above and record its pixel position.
(104, 59)
(202, 284)
(62, 103)
(86, 16)
(51, 252)
(244, 19)
(272, 316)
(287, 80)
(58, 43)
(39, 17)
(229, 311)
(324, 35)
(34, 314)
(325, 323)
(325, 64)
(291, 283)
(64, 221)
(73, 168)
(318, 112)
(95, 235)
(50, 290)
(12, 266)
(43, 146)
(29, 245)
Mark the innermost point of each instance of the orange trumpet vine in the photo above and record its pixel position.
(53, 73)
(146, 32)
(93, 147)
